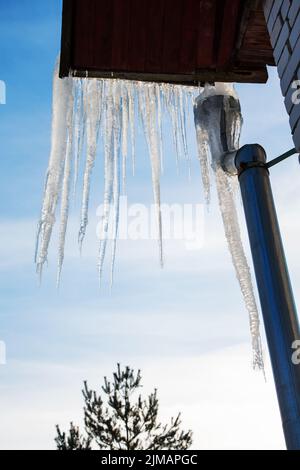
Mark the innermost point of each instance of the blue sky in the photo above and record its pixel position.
(185, 325)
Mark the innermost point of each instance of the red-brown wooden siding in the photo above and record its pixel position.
(185, 40)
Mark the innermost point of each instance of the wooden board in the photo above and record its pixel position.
(178, 41)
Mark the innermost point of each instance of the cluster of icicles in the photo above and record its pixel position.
(86, 111)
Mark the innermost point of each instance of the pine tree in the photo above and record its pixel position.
(117, 422)
(74, 441)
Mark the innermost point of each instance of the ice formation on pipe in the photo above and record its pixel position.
(218, 122)
(83, 109)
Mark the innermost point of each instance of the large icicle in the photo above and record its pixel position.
(239, 260)
(208, 116)
(66, 184)
(62, 103)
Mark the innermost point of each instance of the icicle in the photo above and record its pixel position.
(64, 212)
(172, 111)
(183, 124)
(159, 123)
(92, 110)
(79, 127)
(100, 93)
(125, 122)
(108, 177)
(62, 101)
(117, 120)
(153, 144)
(239, 260)
(203, 155)
(131, 100)
(182, 118)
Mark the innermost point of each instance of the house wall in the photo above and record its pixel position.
(283, 21)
